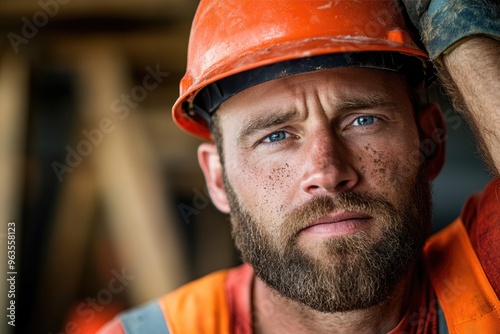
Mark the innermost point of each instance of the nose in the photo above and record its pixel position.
(328, 169)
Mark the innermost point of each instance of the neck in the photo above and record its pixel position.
(272, 313)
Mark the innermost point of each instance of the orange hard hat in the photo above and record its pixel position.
(235, 44)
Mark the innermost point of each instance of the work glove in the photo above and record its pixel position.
(444, 24)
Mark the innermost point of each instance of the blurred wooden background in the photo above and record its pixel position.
(125, 218)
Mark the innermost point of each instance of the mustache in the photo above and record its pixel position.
(317, 207)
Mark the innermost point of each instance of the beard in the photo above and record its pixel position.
(353, 272)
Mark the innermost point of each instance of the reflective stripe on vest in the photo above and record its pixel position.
(145, 319)
(442, 327)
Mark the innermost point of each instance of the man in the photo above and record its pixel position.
(321, 150)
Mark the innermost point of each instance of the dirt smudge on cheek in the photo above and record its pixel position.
(381, 169)
(279, 176)
(277, 184)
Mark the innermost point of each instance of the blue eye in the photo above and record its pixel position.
(364, 121)
(275, 136)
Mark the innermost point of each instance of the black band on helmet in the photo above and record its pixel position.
(211, 97)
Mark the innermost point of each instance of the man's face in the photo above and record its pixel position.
(328, 200)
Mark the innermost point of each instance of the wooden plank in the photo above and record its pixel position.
(166, 46)
(13, 112)
(64, 9)
(144, 230)
(62, 272)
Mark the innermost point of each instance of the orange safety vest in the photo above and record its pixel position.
(464, 293)
(198, 307)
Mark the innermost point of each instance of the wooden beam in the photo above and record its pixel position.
(64, 9)
(62, 271)
(14, 73)
(144, 230)
(166, 46)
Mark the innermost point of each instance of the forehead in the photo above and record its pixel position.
(335, 85)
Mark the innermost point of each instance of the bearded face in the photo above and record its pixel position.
(355, 271)
(329, 200)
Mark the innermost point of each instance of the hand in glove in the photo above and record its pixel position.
(444, 24)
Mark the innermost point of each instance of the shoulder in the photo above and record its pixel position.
(180, 311)
(458, 276)
(481, 218)
(209, 288)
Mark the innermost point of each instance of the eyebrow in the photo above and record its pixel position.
(266, 121)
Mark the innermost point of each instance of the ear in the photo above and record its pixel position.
(433, 132)
(210, 164)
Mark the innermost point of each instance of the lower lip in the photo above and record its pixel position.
(343, 227)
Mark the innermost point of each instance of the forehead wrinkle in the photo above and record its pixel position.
(345, 102)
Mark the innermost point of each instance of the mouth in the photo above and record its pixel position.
(338, 224)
